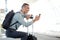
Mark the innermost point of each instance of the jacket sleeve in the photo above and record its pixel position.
(21, 21)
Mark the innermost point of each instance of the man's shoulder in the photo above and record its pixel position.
(17, 14)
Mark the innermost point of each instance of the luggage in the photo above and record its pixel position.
(31, 37)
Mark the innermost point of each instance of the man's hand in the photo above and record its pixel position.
(36, 18)
(28, 16)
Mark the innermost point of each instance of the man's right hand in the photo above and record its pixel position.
(36, 18)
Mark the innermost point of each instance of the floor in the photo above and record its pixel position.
(39, 37)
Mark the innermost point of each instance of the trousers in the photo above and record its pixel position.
(16, 34)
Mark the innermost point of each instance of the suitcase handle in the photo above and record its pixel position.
(28, 29)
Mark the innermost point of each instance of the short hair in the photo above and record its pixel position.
(25, 5)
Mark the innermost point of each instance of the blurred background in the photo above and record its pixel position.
(49, 23)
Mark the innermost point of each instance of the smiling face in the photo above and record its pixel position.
(25, 8)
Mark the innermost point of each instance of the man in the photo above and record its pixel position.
(19, 18)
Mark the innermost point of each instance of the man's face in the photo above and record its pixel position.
(26, 9)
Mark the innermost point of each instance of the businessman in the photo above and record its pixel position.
(19, 18)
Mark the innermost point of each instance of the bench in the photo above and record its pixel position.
(3, 37)
(10, 39)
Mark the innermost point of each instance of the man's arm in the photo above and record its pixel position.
(21, 20)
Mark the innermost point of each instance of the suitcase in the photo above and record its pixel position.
(31, 37)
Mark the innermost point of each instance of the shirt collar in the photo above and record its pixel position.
(23, 14)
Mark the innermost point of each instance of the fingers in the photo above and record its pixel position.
(37, 18)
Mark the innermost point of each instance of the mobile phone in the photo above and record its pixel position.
(39, 14)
